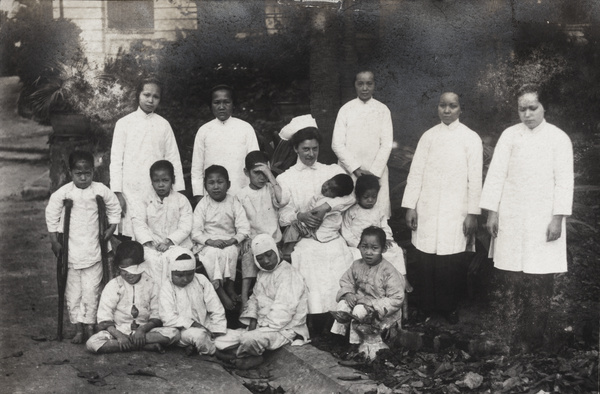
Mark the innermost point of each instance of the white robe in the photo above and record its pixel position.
(321, 264)
(226, 144)
(279, 302)
(444, 185)
(139, 140)
(155, 220)
(197, 302)
(219, 220)
(362, 137)
(356, 219)
(262, 210)
(530, 179)
(84, 240)
(118, 297)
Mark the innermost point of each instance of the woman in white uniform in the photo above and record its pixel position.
(528, 193)
(442, 200)
(321, 264)
(140, 139)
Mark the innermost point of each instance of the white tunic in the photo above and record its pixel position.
(279, 301)
(118, 298)
(139, 140)
(444, 185)
(362, 137)
(262, 210)
(356, 219)
(156, 220)
(197, 302)
(530, 179)
(321, 264)
(84, 243)
(226, 144)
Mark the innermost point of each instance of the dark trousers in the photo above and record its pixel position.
(440, 280)
(522, 303)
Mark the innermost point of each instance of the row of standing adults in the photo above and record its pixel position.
(527, 193)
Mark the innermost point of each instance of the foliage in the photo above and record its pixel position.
(264, 69)
(567, 69)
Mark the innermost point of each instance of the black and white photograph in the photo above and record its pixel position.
(300, 196)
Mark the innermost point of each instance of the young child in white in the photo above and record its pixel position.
(220, 226)
(366, 213)
(189, 303)
(85, 267)
(370, 286)
(261, 200)
(128, 311)
(276, 311)
(162, 219)
(338, 186)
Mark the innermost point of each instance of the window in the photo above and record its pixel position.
(130, 14)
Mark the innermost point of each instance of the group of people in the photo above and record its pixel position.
(311, 241)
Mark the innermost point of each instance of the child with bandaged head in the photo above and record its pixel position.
(128, 311)
(189, 303)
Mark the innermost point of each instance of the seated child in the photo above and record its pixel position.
(364, 214)
(339, 186)
(220, 226)
(261, 200)
(162, 219)
(85, 267)
(128, 310)
(189, 303)
(276, 311)
(371, 286)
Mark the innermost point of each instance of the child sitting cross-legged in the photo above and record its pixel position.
(161, 219)
(321, 205)
(220, 226)
(128, 311)
(364, 214)
(371, 286)
(188, 302)
(276, 311)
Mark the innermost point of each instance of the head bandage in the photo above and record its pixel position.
(188, 264)
(296, 124)
(263, 243)
(135, 269)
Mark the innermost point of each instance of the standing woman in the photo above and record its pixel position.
(224, 141)
(140, 139)
(442, 200)
(363, 137)
(322, 264)
(527, 193)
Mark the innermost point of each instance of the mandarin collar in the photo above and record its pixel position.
(144, 115)
(534, 130)
(225, 122)
(452, 126)
(368, 102)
